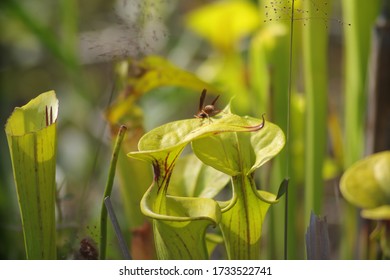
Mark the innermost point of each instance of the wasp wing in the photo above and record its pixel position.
(201, 101)
(215, 100)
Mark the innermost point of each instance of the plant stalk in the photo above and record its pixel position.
(107, 192)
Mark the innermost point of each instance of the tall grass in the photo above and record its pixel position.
(315, 60)
(360, 15)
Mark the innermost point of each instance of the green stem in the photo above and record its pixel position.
(359, 18)
(107, 192)
(287, 160)
(315, 41)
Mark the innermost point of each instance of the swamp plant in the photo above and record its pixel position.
(234, 145)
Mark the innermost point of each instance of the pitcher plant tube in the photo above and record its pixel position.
(180, 222)
(32, 140)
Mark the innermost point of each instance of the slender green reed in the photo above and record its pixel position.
(107, 192)
(315, 56)
(359, 17)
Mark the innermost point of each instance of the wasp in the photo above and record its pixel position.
(208, 110)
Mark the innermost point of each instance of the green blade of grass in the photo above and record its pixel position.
(360, 15)
(278, 82)
(315, 42)
(107, 192)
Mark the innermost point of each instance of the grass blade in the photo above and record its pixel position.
(107, 192)
(315, 42)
